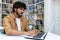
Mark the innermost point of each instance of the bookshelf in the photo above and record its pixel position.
(34, 11)
(0, 12)
(7, 7)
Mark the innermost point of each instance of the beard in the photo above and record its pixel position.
(19, 14)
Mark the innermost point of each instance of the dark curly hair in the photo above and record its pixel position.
(19, 4)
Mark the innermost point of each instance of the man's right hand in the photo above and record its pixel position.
(32, 32)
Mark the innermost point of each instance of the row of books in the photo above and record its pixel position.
(34, 1)
(35, 17)
(7, 6)
(8, 1)
(33, 7)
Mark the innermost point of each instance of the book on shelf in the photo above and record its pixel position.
(11, 1)
(7, 1)
(40, 17)
(36, 1)
(39, 6)
(39, 10)
(0, 5)
(42, 10)
(3, 0)
(3, 6)
(3, 15)
(42, 4)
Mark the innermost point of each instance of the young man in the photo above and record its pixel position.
(16, 23)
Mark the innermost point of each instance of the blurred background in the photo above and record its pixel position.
(34, 12)
(41, 14)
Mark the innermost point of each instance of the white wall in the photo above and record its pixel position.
(57, 17)
(48, 14)
(52, 16)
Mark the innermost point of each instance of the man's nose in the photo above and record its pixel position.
(22, 10)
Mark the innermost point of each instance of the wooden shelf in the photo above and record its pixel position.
(30, 11)
(35, 3)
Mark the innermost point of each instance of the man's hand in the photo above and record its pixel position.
(36, 32)
(33, 32)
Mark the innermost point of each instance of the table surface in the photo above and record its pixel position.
(50, 36)
(5, 37)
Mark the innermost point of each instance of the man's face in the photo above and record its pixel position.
(19, 11)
